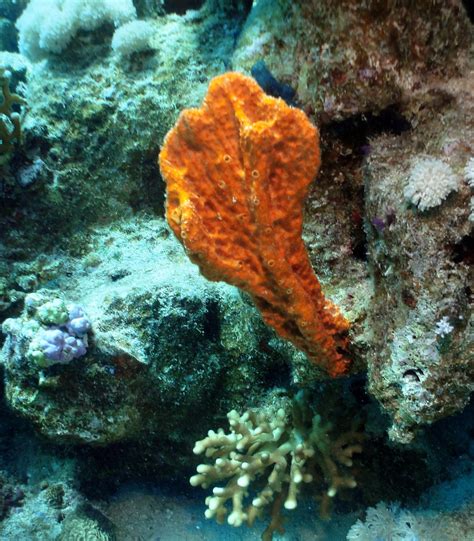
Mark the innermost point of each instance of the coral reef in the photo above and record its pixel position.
(343, 58)
(283, 446)
(123, 110)
(237, 174)
(393, 105)
(89, 97)
(387, 226)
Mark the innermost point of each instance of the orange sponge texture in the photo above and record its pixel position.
(237, 172)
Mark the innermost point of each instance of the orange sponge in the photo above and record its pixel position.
(237, 172)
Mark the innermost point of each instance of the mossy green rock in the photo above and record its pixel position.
(167, 350)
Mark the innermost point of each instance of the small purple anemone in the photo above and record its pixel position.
(379, 224)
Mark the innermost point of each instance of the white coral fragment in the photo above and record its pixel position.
(429, 183)
(443, 327)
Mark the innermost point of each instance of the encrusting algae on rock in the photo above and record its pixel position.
(238, 172)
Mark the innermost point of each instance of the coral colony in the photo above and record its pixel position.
(56, 331)
(63, 343)
(286, 447)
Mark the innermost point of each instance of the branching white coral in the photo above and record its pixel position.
(48, 26)
(430, 182)
(281, 448)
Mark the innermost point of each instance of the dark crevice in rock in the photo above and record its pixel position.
(181, 6)
(277, 375)
(345, 145)
(463, 251)
(211, 321)
(469, 6)
(150, 195)
(357, 130)
(359, 244)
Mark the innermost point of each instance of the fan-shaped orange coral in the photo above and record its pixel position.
(237, 173)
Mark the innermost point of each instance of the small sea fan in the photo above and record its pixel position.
(384, 522)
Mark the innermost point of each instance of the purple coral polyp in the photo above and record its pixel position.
(379, 224)
(78, 323)
(69, 341)
(60, 347)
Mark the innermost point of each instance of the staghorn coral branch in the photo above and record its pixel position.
(238, 171)
(266, 459)
(10, 127)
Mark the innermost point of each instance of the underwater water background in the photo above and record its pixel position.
(236, 270)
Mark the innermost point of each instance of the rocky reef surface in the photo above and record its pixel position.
(166, 354)
(163, 342)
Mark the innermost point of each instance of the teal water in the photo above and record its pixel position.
(165, 351)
